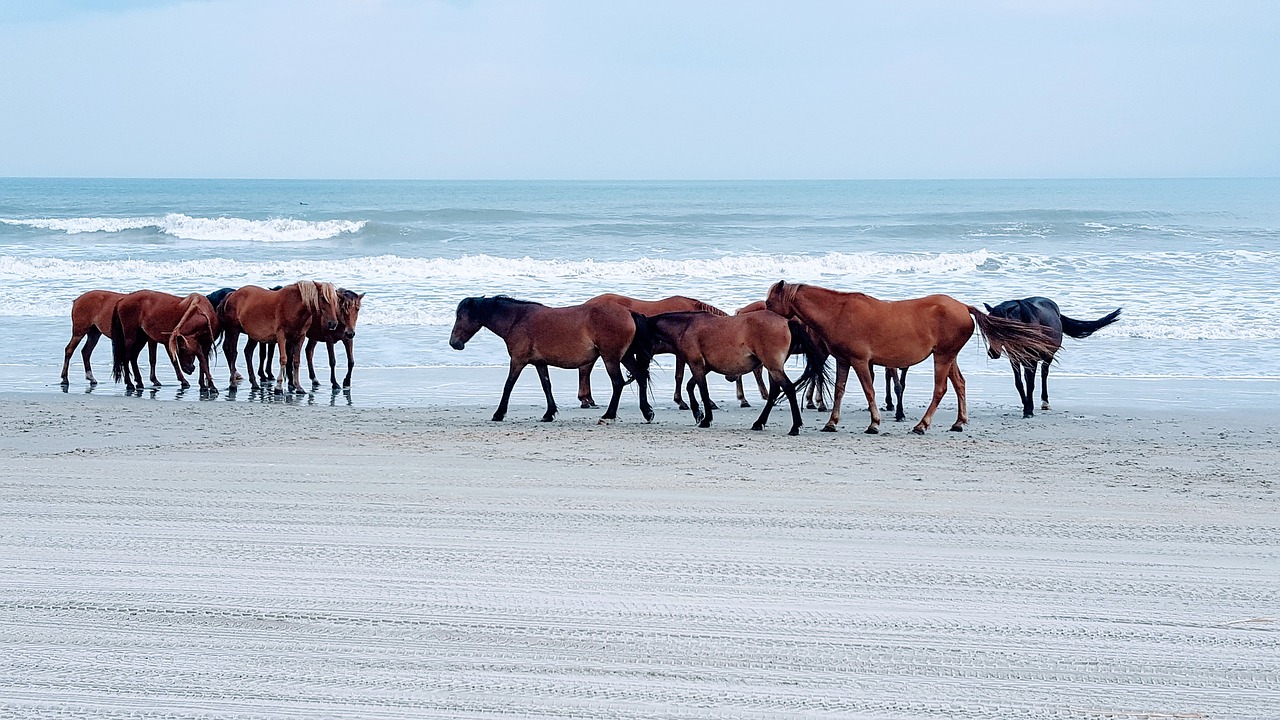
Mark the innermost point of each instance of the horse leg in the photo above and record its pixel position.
(177, 370)
(842, 376)
(295, 367)
(545, 378)
(738, 393)
(764, 391)
(642, 386)
(694, 407)
(333, 366)
(206, 375)
(151, 355)
(71, 348)
(512, 375)
(91, 341)
(900, 384)
(706, 396)
(680, 403)
(266, 360)
(890, 375)
(282, 349)
(311, 360)
(941, 371)
(868, 382)
(962, 403)
(230, 339)
(614, 368)
(1017, 382)
(774, 389)
(584, 385)
(789, 389)
(349, 344)
(1044, 387)
(1028, 403)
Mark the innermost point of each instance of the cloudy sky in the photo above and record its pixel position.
(654, 89)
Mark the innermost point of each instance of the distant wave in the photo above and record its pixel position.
(193, 228)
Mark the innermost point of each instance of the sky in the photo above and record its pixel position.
(652, 89)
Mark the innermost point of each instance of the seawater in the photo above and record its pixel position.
(1193, 263)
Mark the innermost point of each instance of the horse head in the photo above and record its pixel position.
(195, 333)
(779, 298)
(349, 311)
(467, 323)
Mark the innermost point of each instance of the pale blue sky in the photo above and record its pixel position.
(654, 89)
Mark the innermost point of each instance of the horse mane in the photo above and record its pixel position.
(312, 292)
(700, 306)
(192, 302)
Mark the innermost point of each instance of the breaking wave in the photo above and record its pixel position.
(195, 228)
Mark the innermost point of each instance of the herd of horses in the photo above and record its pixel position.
(190, 326)
(858, 331)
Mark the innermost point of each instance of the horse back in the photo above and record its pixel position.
(574, 336)
(94, 309)
(261, 313)
(650, 308)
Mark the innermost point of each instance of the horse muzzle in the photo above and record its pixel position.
(457, 344)
(333, 325)
(349, 334)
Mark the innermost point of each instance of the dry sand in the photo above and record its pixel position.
(238, 560)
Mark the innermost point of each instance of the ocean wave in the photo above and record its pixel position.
(193, 228)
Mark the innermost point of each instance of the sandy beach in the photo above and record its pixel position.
(270, 560)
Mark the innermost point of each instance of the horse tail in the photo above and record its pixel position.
(1024, 343)
(1084, 328)
(118, 353)
(815, 368)
(641, 349)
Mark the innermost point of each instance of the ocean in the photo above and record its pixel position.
(1193, 263)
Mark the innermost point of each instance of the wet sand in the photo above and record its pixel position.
(272, 560)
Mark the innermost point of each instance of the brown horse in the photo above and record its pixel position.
(648, 308)
(348, 314)
(187, 326)
(734, 346)
(566, 337)
(814, 391)
(281, 316)
(91, 319)
(861, 330)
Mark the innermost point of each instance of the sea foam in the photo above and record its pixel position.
(194, 228)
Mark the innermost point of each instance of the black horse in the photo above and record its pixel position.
(1044, 312)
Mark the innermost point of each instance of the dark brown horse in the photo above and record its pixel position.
(188, 327)
(648, 308)
(91, 319)
(860, 330)
(348, 314)
(734, 346)
(1043, 312)
(565, 337)
(281, 316)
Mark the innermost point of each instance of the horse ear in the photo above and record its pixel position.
(360, 296)
(989, 308)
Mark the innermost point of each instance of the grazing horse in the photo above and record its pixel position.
(734, 346)
(565, 337)
(91, 319)
(187, 326)
(860, 330)
(648, 308)
(348, 313)
(1043, 312)
(280, 316)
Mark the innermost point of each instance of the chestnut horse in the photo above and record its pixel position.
(348, 314)
(860, 330)
(282, 316)
(187, 326)
(648, 308)
(814, 390)
(564, 337)
(734, 346)
(1043, 312)
(91, 319)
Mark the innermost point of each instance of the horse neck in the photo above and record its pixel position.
(503, 317)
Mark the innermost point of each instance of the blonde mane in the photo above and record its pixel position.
(313, 292)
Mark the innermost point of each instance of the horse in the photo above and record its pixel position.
(860, 330)
(348, 313)
(188, 327)
(91, 319)
(1043, 312)
(648, 308)
(282, 316)
(564, 337)
(734, 346)
(815, 390)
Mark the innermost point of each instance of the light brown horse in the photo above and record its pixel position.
(281, 316)
(734, 346)
(188, 327)
(348, 314)
(860, 330)
(812, 392)
(91, 319)
(565, 337)
(648, 308)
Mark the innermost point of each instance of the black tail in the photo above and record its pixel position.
(1084, 328)
(119, 361)
(641, 349)
(815, 368)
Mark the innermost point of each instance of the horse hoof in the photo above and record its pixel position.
(65, 382)
(957, 428)
(899, 418)
(794, 431)
(548, 418)
(745, 404)
(704, 424)
(872, 430)
(757, 426)
(828, 428)
(497, 418)
(1045, 406)
(648, 415)
(917, 430)
(1026, 415)
(713, 406)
